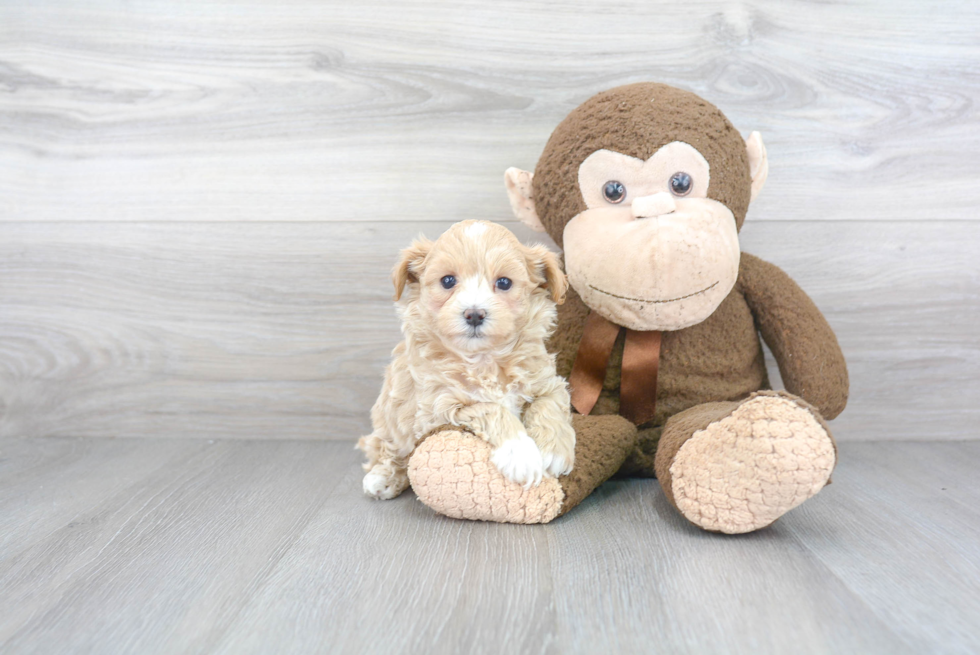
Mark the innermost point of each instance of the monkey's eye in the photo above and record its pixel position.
(680, 184)
(448, 282)
(503, 283)
(614, 192)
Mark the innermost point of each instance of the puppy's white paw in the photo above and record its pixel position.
(555, 464)
(519, 460)
(383, 487)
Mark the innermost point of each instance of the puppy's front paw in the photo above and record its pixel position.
(556, 464)
(519, 460)
(384, 484)
(557, 444)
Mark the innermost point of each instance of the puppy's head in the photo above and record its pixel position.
(477, 287)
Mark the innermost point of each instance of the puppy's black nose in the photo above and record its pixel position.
(474, 316)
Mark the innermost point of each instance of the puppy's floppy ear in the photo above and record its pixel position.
(546, 270)
(409, 268)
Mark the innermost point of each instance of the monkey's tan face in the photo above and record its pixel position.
(651, 251)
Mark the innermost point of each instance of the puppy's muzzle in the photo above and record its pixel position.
(474, 316)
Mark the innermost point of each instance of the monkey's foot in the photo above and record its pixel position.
(743, 470)
(451, 471)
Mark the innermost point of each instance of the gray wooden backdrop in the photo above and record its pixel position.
(200, 202)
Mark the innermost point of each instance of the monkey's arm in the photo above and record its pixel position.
(810, 359)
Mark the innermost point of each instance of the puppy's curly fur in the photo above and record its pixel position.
(476, 308)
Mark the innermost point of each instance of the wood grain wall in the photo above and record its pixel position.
(200, 202)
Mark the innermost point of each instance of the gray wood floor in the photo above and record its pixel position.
(199, 206)
(260, 546)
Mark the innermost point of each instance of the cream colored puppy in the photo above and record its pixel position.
(476, 308)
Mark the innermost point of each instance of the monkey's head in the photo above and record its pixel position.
(645, 187)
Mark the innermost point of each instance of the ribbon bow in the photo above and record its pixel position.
(641, 361)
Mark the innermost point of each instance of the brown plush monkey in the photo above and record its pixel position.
(645, 188)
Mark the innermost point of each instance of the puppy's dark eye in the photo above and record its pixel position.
(614, 192)
(503, 283)
(680, 184)
(448, 282)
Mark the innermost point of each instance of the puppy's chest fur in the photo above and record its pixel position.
(509, 394)
(485, 381)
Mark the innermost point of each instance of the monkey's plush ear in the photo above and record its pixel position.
(518, 184)
(758, 162)
(409, 267)
(546, 269)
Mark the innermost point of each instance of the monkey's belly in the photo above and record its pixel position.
(718, 359)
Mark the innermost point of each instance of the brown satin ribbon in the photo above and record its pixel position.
(638, 389)
(641, 361)
(589, 371)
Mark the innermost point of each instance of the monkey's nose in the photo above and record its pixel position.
(474, 316)
(656, 205)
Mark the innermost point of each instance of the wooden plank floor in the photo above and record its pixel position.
(259, 546)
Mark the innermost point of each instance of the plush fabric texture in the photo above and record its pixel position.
(730, 455)
(805, 347)
(718, 359)
(737, 467)
(451, 472)
(610, 255)
(641, 359)
(721, 359)
(637, 120)
(602, 444)
(604, 165)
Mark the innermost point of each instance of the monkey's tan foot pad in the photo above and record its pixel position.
(744, 471)
(451, 472)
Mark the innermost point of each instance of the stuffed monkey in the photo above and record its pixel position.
(645, 188)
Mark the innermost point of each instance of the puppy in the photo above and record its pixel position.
(476, 307)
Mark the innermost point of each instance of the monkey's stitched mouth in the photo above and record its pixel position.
(655, 302)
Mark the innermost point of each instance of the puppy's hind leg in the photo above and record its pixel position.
(389, 446)
(386, 481)
(387, 474)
